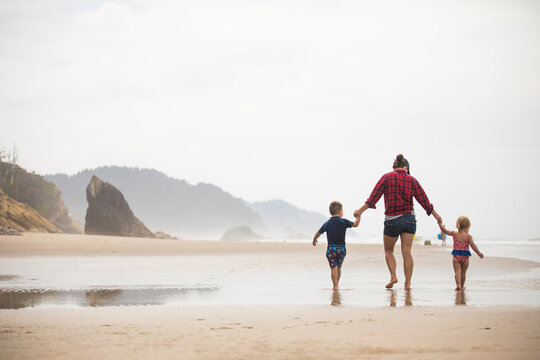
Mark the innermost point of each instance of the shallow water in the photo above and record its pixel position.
(17, 299)
(184, 281)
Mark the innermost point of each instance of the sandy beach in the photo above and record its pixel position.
(221, 300)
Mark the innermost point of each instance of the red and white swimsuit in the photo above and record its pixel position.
(461, 249)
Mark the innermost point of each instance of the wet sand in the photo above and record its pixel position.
(261, 300)
(271, 333)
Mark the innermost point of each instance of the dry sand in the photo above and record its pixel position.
(264, 332)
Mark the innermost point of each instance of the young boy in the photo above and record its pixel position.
(335, 229)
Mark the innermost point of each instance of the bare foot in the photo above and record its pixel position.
(407, 287)
(335, 288)
(458, 288)
(391, 283)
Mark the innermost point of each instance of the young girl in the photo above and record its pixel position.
(461, 252)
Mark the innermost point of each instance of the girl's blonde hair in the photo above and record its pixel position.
(463, 223)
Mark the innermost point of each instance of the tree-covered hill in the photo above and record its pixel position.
(164, 203)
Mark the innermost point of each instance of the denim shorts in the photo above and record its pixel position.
(403, 224)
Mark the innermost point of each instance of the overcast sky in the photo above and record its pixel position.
(306, 101)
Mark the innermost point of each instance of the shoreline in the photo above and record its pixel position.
(46, 244)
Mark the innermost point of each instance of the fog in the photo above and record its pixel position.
(305, 101)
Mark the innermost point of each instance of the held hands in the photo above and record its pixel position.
(359, 211)
(437, 217)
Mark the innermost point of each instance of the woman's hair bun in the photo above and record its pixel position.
(400, 162)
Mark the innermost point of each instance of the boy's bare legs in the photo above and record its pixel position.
(408, 262)
(338, 274)
(464, 268)
(457, 273)
(389, 243)
(335, 276)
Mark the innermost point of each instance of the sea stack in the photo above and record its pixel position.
(108, 212)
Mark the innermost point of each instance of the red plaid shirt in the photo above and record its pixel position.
(399, 188)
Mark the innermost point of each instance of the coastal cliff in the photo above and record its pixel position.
(16, 216)
(39, 194)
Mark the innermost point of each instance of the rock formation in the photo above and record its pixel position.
(108, 212)
(16, 216)
(240, 233)
(164, 236)
(40, 194)
(9, 231)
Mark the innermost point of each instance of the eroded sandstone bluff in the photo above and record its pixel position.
(38, 193)
(18, 217)
(108, 212)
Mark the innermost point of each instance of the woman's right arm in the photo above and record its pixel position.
(375, 196)
(359, 212)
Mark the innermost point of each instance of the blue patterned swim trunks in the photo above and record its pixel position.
(335, 255)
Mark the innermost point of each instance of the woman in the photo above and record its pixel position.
(399, 188)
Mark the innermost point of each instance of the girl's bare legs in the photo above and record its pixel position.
(389, 243)
(335, 276)
(408, 262)
(457, 273)
(464, 268)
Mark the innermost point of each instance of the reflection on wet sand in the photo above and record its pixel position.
(461, 298)
(103, 297)
(22, 299)
(18, 299)
(336, 298)
(393, 297)
(408, 298)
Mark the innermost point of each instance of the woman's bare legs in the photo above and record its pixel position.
(389, 243)
(457, 273)
(464, 268)
(408, 262)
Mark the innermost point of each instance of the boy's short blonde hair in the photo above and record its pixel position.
(463, 223)
(335, 207)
